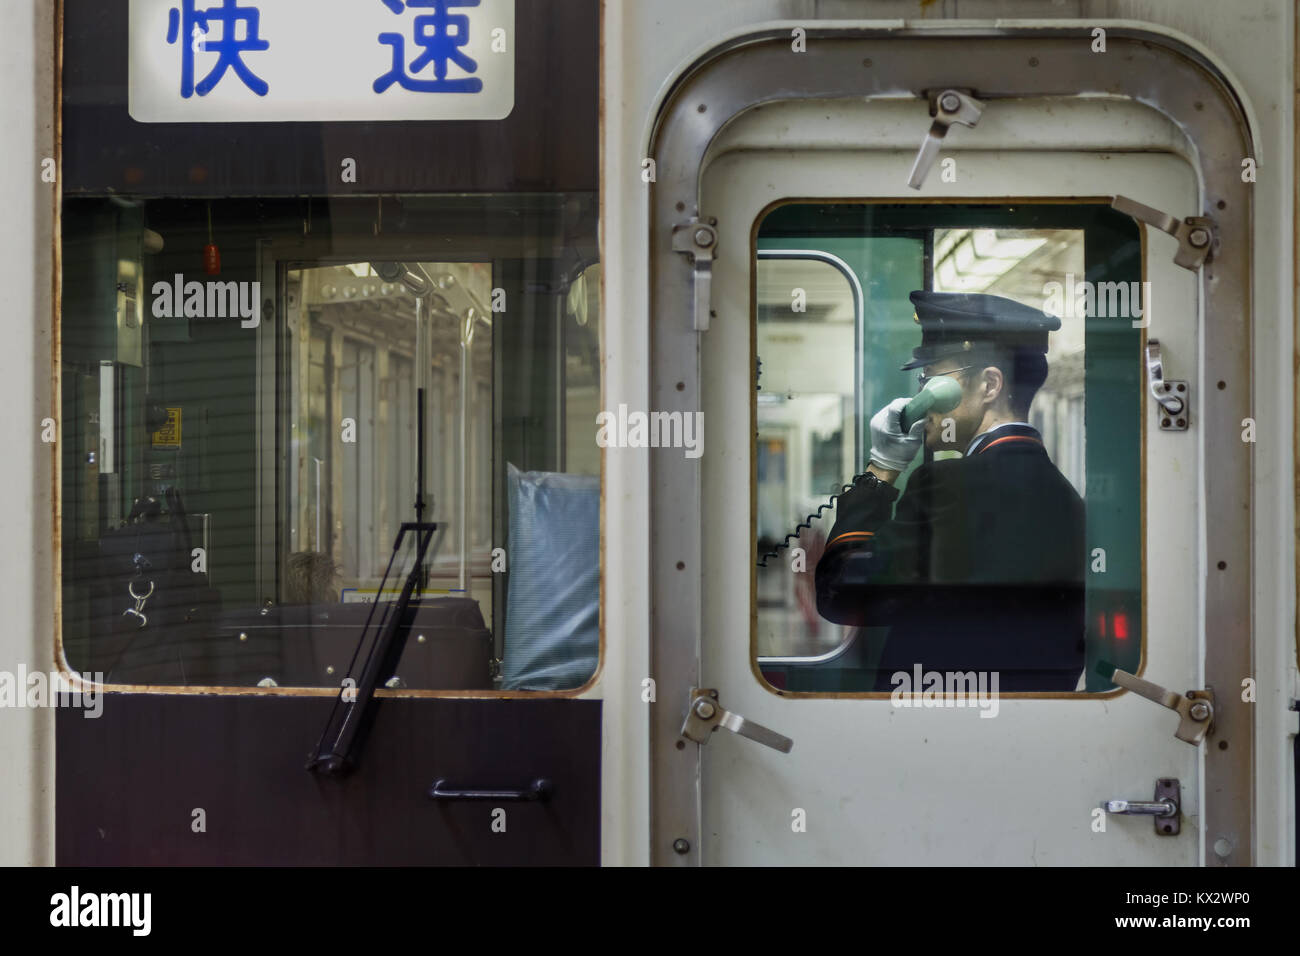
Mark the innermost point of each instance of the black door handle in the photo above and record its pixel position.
(539, 790)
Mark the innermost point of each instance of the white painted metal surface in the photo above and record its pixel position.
(28, 396)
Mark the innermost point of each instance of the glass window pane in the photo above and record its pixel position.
(246, 447)
(952, 576)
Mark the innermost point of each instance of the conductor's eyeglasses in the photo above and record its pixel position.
(922, 379)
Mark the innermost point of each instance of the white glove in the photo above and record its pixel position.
(890, 448)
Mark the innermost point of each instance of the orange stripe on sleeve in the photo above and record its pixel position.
(850, 534)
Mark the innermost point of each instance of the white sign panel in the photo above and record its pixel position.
(242, 61)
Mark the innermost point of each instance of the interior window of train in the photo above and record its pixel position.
(244, 379)
(966, 548)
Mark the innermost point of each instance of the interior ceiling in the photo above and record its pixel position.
(828, 296)
(1011, 263)
(364, 306)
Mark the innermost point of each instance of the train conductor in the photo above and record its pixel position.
(980, 567)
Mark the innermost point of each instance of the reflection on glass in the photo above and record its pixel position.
(1016, 264)
(245, 447)
(357, 343)
(809, 305)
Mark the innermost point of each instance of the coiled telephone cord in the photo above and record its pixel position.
(814, 516)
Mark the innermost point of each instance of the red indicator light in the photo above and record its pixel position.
(1121, 626)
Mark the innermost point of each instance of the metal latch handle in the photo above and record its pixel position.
(947, 108)
(1153, 808)
(705, 715)
(1195, 234)
(698, 240)
(1195, 709)
(538, 791)
(1164, 807)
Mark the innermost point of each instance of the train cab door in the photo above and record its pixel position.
(785, 245)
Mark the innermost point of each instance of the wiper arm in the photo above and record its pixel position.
(340, 746)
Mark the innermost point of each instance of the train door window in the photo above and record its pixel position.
(246, 447)
(831, 342)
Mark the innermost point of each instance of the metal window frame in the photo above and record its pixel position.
(859, 322)
(1004, 61)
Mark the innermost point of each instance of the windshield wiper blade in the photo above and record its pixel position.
(340, 746)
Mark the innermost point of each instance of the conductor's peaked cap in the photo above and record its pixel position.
(954, 323)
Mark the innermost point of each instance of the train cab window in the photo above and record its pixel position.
(248, 383)
(966, 542)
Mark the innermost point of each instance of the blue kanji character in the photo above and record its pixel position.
(195, 23)
(442, 34)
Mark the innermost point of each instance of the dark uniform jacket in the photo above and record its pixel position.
(981, 567)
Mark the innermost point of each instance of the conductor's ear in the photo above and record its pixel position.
(994, 383)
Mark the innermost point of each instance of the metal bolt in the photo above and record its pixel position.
(1199, 710)
(704, 237)
(704, 709)
(1199, 238)
(1222, 848)
(330, 669)
(243, 636)
(419, 639)
(681, 846)
(950, 102)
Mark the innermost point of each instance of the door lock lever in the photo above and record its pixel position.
(697, 239)
(1165, 807)
(947, 108)
(705, 715)
(1195, 234)
(1195, 709)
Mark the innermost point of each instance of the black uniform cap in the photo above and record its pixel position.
(955, 323)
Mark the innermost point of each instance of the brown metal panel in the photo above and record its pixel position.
(129, 781)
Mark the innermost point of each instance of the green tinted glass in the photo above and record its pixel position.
(822, 382)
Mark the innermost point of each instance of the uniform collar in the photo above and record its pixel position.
(1006, 429)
